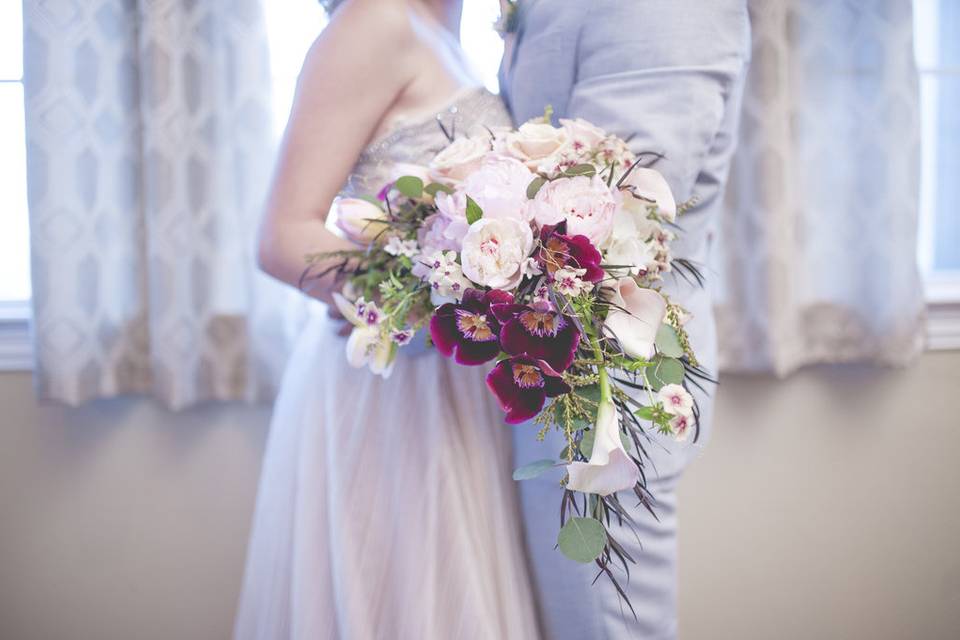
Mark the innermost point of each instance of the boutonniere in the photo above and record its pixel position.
(509, 18)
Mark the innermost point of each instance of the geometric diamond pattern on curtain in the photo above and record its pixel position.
(149, 149)
(819, 235)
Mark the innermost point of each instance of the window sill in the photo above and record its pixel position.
(16, 347)
(943, 311)
(943, 327)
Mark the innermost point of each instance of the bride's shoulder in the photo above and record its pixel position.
(374, 37)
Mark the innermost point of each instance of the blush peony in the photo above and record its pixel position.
(587, 204)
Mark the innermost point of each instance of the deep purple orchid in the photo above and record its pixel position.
(469, 328)
(538, 331)
(560, 250)
(522, 384)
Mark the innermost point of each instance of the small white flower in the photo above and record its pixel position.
(447, 282)
(368, 312)
(569, 282)
(676, 400)
(397, 247)
(367, 345)
(402, 337)
(531, 268)
(542, 293)
(681, 426)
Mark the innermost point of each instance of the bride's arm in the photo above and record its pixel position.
(352, 74)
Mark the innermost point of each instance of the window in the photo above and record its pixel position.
(15, 352)
(14, 238)
(937, 38)
(292, 26)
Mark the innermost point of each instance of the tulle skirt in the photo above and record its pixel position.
(386, 507)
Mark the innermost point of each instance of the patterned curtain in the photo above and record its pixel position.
(818, 243)
(149, 149)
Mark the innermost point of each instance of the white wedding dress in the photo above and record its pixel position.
(386, 507)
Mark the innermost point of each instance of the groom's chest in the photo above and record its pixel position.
(540, 58)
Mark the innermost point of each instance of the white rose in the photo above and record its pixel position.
(361, 221)
(459, 159)
(495, 250)
(534, 142)
(587, 204)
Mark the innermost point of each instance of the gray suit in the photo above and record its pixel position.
(668, 74)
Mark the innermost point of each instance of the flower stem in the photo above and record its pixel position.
(605, 394)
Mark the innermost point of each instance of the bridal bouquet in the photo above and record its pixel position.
(539, 250)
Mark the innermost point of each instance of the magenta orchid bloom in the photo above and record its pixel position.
(538, 331)
(560, 250)
(469, 328)
(522, 384)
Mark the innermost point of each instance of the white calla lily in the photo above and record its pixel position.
(651, 187)
(635, 318)
(610, 469)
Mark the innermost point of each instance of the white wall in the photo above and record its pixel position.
(825, 507)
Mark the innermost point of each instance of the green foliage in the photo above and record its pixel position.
(474, 212)
(581, 170)
(582, 539)
(665, 371)
(534, 187)
(533, 469)
(668, 342)
(434, 188)
(410, 186)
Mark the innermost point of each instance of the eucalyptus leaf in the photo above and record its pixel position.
(581, 170)
(534, 187)
(667, 341)
(533, 469)
(665, 371)
(582, 539)
(410, 186)
(474, 212)
(435, 187)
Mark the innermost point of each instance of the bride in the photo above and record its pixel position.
(386, 507)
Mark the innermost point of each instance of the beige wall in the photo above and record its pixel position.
(825, 507)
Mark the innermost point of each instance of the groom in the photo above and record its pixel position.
(667, 75)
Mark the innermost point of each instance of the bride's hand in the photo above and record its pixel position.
(346, 86)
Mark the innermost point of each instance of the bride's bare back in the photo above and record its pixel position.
(376, 63)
